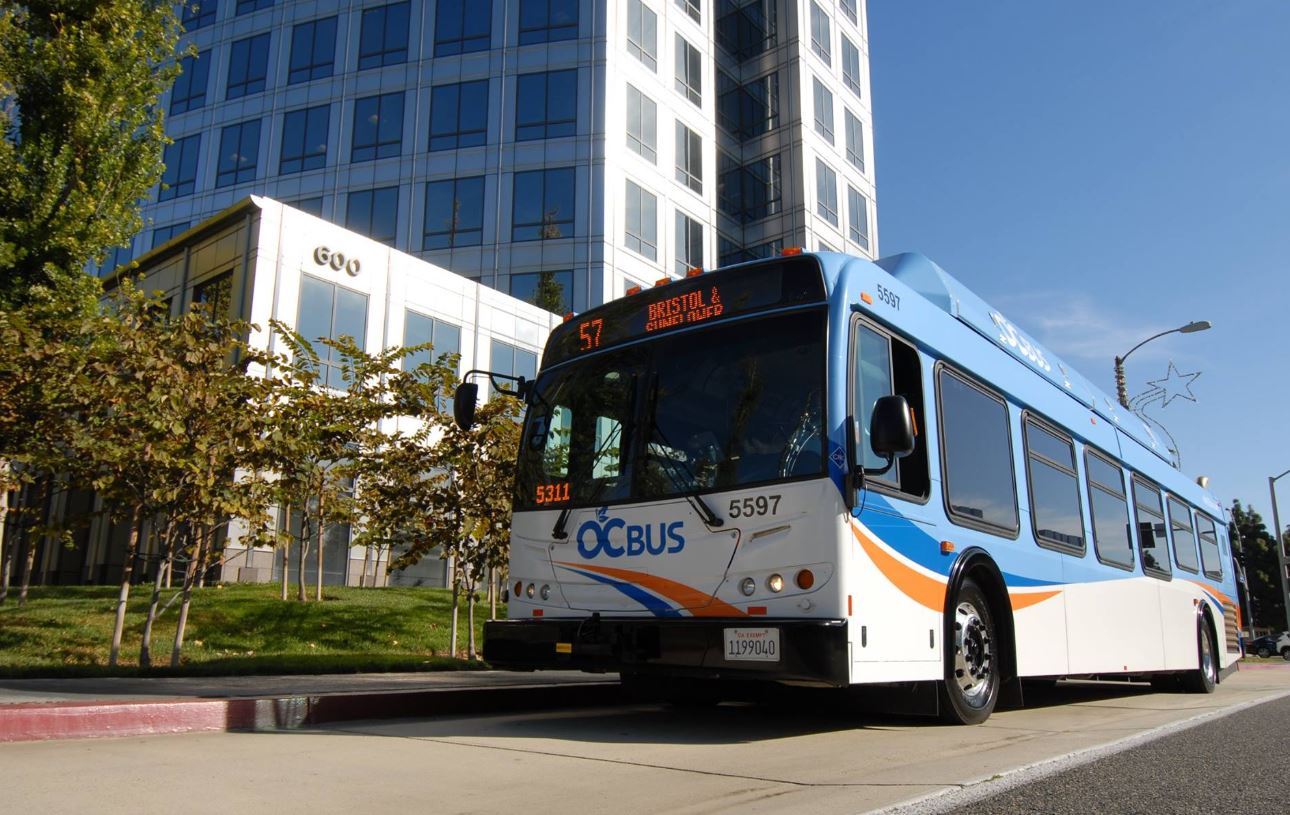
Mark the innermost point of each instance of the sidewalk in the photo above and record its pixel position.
(34, 709)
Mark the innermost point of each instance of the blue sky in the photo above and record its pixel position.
(1101, 171)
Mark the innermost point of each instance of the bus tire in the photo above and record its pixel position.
(1205, 677)
(970, 689)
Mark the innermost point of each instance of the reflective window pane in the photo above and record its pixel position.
(980, 485)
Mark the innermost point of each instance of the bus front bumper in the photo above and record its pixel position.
(810, 651)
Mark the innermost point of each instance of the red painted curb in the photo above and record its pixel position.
(79, 720)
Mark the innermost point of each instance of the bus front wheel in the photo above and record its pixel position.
(971, 686)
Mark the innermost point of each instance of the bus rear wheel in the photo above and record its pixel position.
(971, 686)
(1205, 677)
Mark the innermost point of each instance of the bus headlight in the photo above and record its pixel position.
(546, 592)
(528, 592)
(747, 586)
(775, 583)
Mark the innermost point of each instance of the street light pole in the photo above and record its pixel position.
(1281, 549)
(1121, 391)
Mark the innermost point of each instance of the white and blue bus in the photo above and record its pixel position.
(822, 470)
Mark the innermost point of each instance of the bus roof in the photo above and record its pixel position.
(941, 289)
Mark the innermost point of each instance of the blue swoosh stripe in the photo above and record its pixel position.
(657, 607)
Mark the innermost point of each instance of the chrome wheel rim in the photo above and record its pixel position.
(973, 653)
(1207, 657)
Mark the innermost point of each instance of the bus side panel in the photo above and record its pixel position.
(897, 605)
(1114, 625)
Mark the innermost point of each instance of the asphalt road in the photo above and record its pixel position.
(1238, 763)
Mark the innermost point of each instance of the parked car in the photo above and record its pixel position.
(1270, 645)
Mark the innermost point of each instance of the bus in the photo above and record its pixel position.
(822, 470)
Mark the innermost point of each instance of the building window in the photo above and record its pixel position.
(189, 91)
(642, 222)
(826, 192)
(980, 486)
(164, 233)
(459, 115)
(850, 66)
(444, 339)
(248, 66)
(751, 191)
(750, 110)
(198, 13)
(384, 36)
(374, 213)
(248, 6)
(1153, 540)
(731, 252)
(855, 140)
(548, 20)
(823, 111)
(216, 292)
(692, 8)
(313, 50)
(689, 244)
(304, 139)
(746, 28)
(858, 218)
(504, 358)
(1055, 506)
(328, 311)
(454, 213)
(849, 9)
(462, 26)
(820, 41)
(180, 176)
(546, 105)
(1184, 535)
(642, 33)
(689, 71)
(549, 290)
(1110, 510)
(378, 127)
(642, 124)
(542, 204)
(239, 153)
(313, 205)
(689, 158)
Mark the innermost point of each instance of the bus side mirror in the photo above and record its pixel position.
(464, 403)
(891, 428)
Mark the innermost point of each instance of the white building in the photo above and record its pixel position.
(609, 143)
(269, 261)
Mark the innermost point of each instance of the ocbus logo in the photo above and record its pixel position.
(593, 537)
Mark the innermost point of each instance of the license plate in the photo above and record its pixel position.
(752, 644)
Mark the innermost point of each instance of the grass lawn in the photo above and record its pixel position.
(235, 629)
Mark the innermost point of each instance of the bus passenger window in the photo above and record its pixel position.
(980, 486)
(1209, 554)
(883, 365)
(1153, 540)
(1184, 537)
(1110, 509)
(1054, 488)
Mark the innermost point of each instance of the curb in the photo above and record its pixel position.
(84, 720)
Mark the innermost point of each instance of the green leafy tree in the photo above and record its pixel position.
(1262, 569)
(82, 135)
(549, 293)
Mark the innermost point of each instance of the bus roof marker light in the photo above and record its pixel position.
(790, 251)
(633, 290)
(694, 271)
(568, 316)
(662, 281)
(867, 298)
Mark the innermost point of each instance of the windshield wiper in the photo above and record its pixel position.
(708, 517)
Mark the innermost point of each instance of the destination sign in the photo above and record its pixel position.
(691, 301)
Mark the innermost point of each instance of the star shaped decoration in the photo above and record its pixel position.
(1173, 386)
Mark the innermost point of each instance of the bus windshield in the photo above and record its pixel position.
(724, 406)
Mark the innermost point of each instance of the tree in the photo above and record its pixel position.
(1262, 569)
(82, 135)
(549, 293)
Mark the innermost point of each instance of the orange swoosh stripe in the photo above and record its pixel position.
(1220, 596)
(698, 603)
(917, 586)
(1020, 601)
